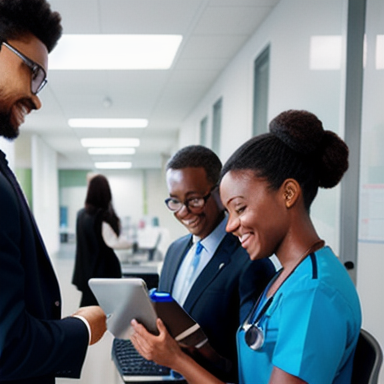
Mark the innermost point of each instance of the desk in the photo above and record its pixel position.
(149, 273)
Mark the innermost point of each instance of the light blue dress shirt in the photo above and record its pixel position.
(210, 244)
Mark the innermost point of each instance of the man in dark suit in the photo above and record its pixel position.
(225, 282)
(35, 344)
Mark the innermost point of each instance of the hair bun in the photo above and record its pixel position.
(334, 160)
(302, 131)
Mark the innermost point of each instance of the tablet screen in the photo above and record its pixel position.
(123, 300)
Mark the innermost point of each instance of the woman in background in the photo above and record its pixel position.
(98, 231)
(305, 326)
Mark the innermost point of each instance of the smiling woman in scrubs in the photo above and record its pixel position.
(304, 327)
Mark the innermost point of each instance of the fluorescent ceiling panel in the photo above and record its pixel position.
(110, 142)
(325, 52)
(111, 151)
(114, 52)
(108, 123)
(114, 165)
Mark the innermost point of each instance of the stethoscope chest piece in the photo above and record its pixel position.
(253, 334)
(254, 337)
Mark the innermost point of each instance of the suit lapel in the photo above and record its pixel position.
(8, 174)
(53, 294)
(219, 261)
(183, 247)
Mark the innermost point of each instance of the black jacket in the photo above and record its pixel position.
(35, 345)
(93, 257)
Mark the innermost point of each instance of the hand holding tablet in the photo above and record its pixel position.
(128, 298)
(123, 300)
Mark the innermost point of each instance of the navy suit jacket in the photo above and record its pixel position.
(223, 293)
(35, 345)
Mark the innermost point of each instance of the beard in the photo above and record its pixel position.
(7, 130)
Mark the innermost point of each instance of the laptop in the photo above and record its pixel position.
(134, 368)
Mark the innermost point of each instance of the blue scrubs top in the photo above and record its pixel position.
(311, 326)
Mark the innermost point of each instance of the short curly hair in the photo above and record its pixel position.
(21, 17)
(297, 147)
(197, 156)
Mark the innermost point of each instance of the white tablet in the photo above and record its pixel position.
(123, 300)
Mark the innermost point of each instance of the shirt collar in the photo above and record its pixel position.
(212, 241)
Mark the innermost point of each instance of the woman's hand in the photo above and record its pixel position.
(165, 350)
(162, 349)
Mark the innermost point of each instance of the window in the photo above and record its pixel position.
(203, 131)
(216, 126)
(260, 93)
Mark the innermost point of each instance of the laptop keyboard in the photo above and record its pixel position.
(131, 363)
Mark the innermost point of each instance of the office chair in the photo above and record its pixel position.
(368, 360)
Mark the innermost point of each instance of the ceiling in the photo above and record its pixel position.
(213, 32)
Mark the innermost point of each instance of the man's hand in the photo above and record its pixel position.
(97, 321)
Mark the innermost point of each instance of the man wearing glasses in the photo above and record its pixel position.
(35, 344)
(216, 286)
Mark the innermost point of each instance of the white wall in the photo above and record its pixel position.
(45, 192)
(293, 84)
(127, 193)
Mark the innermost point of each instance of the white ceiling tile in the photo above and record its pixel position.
(232, 20)
(213, 32)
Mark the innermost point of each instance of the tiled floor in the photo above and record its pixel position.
(98, 367)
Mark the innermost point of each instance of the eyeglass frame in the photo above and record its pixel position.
(187, 202)
(32, 65)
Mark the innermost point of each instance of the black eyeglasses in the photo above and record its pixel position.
(194, 205)
(39, 76)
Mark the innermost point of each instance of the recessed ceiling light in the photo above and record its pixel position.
(111, 151)
(110, 142)
(108, 123)
(115, 52)
(114, 165)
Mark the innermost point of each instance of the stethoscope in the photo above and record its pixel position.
(254, 334)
